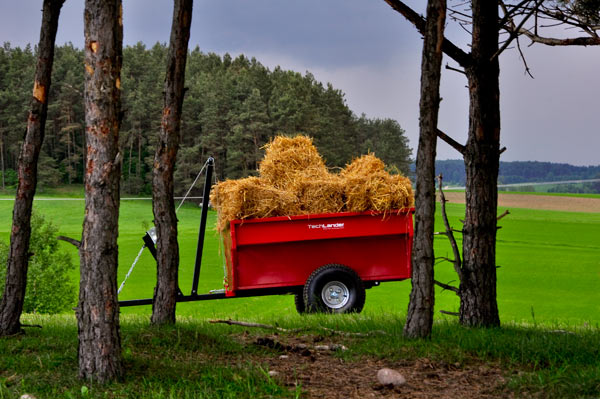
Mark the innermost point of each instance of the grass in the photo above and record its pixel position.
(548, 281)
(549, 271)
(194, 359)
(189, 360)
(548, 262)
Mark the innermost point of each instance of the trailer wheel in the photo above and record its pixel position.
(334, 289)
(299, 302)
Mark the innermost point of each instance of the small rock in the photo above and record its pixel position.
(338, 347)
(273, 373)
(27, 396)
(322, 347)
(387, 376)
(283, 357)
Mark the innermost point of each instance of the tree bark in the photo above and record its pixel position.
(478, 305)
(163, 206)
(2, 156)
(13, 297)
(98, 310)
(419, 319)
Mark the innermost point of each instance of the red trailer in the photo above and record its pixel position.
(326, 260)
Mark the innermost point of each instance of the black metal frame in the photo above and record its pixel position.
(201, 232)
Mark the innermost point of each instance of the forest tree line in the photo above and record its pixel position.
(232, 108)
(526, 172)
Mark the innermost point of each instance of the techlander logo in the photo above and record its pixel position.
(326, 226)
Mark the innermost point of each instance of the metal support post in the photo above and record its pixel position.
(202, 230)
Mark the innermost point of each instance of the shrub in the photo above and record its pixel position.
(49, 287)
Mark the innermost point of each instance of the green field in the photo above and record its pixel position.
(549, 265)
(548, 347)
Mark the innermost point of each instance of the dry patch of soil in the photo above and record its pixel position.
(547, 202)
(321, 374)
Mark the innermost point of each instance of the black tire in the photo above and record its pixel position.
(334, 289)
(299, 302)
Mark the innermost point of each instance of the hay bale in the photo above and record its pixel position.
(286, 157)
(368, 186)
(248, 198)
(363, 166)
(294, 180)
(402, 193)
(323, 194)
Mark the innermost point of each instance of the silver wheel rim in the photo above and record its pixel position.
(335, 294)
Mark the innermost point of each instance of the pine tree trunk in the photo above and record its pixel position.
(2, 157)
(130, 154)
(138, 167)
(69, 168)
(419, 319)
(478, 306)
(13, 297)
(98, 311)
(163, 206)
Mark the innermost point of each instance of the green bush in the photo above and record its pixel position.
(49, 288)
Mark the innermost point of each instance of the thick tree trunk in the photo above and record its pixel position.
(98, 311)
(11, 306)
(2, 157)
(163, 206)
(419, 319)
(478, 306)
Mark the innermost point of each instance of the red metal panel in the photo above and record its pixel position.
(284, 251)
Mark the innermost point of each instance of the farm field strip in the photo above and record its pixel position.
(588, 204)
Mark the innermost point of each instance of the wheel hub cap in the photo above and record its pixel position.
(335, 294)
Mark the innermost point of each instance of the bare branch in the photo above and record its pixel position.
(509, 14)
(270, 327)
(451, 142)
(550, 41)
(455, 69)
(506, 212)
(527, 70)
(449, 48)
(445, 258)
(514, 31)
(449, 313)
(31, 326)
(70, 241)
(447, 287)
(457, 258)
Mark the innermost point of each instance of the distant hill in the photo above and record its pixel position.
(453, 172)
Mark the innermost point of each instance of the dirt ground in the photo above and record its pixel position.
(321, 374)
(547, 202)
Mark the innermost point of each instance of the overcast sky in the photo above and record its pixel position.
(373, 55)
